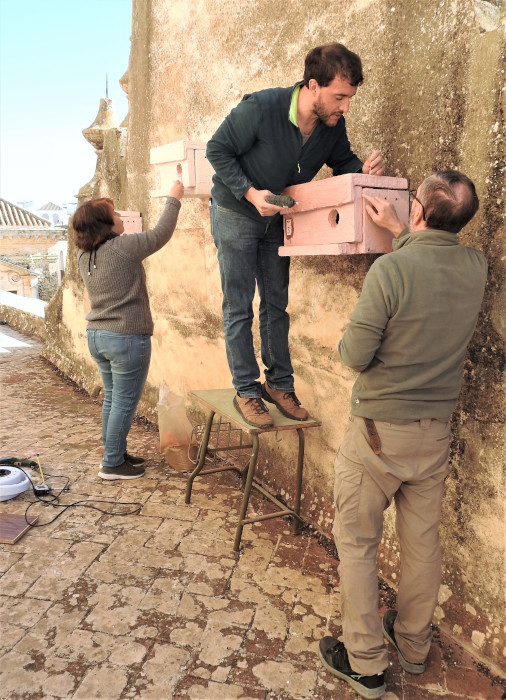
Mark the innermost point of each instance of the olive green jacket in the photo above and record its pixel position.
(411, 326)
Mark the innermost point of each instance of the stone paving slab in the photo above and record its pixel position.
(156, 605)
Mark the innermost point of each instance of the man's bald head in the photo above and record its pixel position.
(450, 200)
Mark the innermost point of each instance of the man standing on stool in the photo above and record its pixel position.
(274, 138)
(407, 337)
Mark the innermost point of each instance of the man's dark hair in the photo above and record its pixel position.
(92, 223)
(323, 63)
(450, 200)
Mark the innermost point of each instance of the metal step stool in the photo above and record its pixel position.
(221, 401)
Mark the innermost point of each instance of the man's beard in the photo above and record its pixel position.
(328, 118)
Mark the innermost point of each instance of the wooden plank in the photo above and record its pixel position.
(377, 239)
(321, 226)
(323, 249)
(197, 171)
(221, 401)
(13, 526)
(132, 221)
(177, 150)
(204, 172)
(338, 190)
(330, 192)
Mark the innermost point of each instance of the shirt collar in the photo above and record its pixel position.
(425, 236)
(292, 112)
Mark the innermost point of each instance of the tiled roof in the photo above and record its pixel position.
(51, 206)
(12, 215)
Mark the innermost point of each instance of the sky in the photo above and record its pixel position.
(54, 57)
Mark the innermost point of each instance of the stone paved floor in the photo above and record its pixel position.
(156, 605)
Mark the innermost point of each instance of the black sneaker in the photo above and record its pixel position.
(136, 461)
(122, 471)
(388, 633)
(334, 657)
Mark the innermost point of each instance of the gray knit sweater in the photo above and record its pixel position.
(115, 280)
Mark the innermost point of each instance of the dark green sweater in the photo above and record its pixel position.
(411, 326)
(258, 146)
(115, 280)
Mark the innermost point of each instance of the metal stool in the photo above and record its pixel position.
(221, 401)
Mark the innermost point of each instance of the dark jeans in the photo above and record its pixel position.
(248, 254)
(123, 361)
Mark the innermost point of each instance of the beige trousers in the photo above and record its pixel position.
(411, 469)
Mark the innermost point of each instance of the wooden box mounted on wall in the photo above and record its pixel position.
(197, 170)
(330, 218)
(132, 221)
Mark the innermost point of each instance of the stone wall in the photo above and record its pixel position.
(44, 267)
(30, 249)
(23, 321)
(434, 97)
(25, 243)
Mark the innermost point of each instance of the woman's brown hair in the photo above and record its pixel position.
(92, 223)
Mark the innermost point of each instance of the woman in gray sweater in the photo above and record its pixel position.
(119, 323)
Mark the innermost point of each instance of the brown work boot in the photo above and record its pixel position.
(286, 402)
(254, 411)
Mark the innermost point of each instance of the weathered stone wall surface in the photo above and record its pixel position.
(25, 322)
(434, 97)
(43, 266)
(30, 250)
(21, 243)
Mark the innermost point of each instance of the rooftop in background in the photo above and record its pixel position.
(51, 206)
(17, 217)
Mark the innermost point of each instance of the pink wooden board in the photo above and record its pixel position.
(196, 170)
(376, 239)
(320, 226)
(132, 221)
(204, 172)
(334, 191)
(330, 218)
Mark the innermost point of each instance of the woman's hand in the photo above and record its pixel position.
(177, 189)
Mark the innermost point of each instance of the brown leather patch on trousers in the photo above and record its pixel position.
(374, 438)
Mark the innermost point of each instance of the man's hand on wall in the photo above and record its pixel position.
(383, 214)
(374, 165)
(257, 198)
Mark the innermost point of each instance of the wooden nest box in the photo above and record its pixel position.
(330, 218)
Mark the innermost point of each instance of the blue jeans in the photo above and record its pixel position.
(123, 361)
(248, 254)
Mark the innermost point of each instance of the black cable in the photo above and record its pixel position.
(51, 499)
(50, 476)
(83, 503)
(53, 496)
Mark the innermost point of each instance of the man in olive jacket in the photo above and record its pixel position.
(272, 139)
(407, 337)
